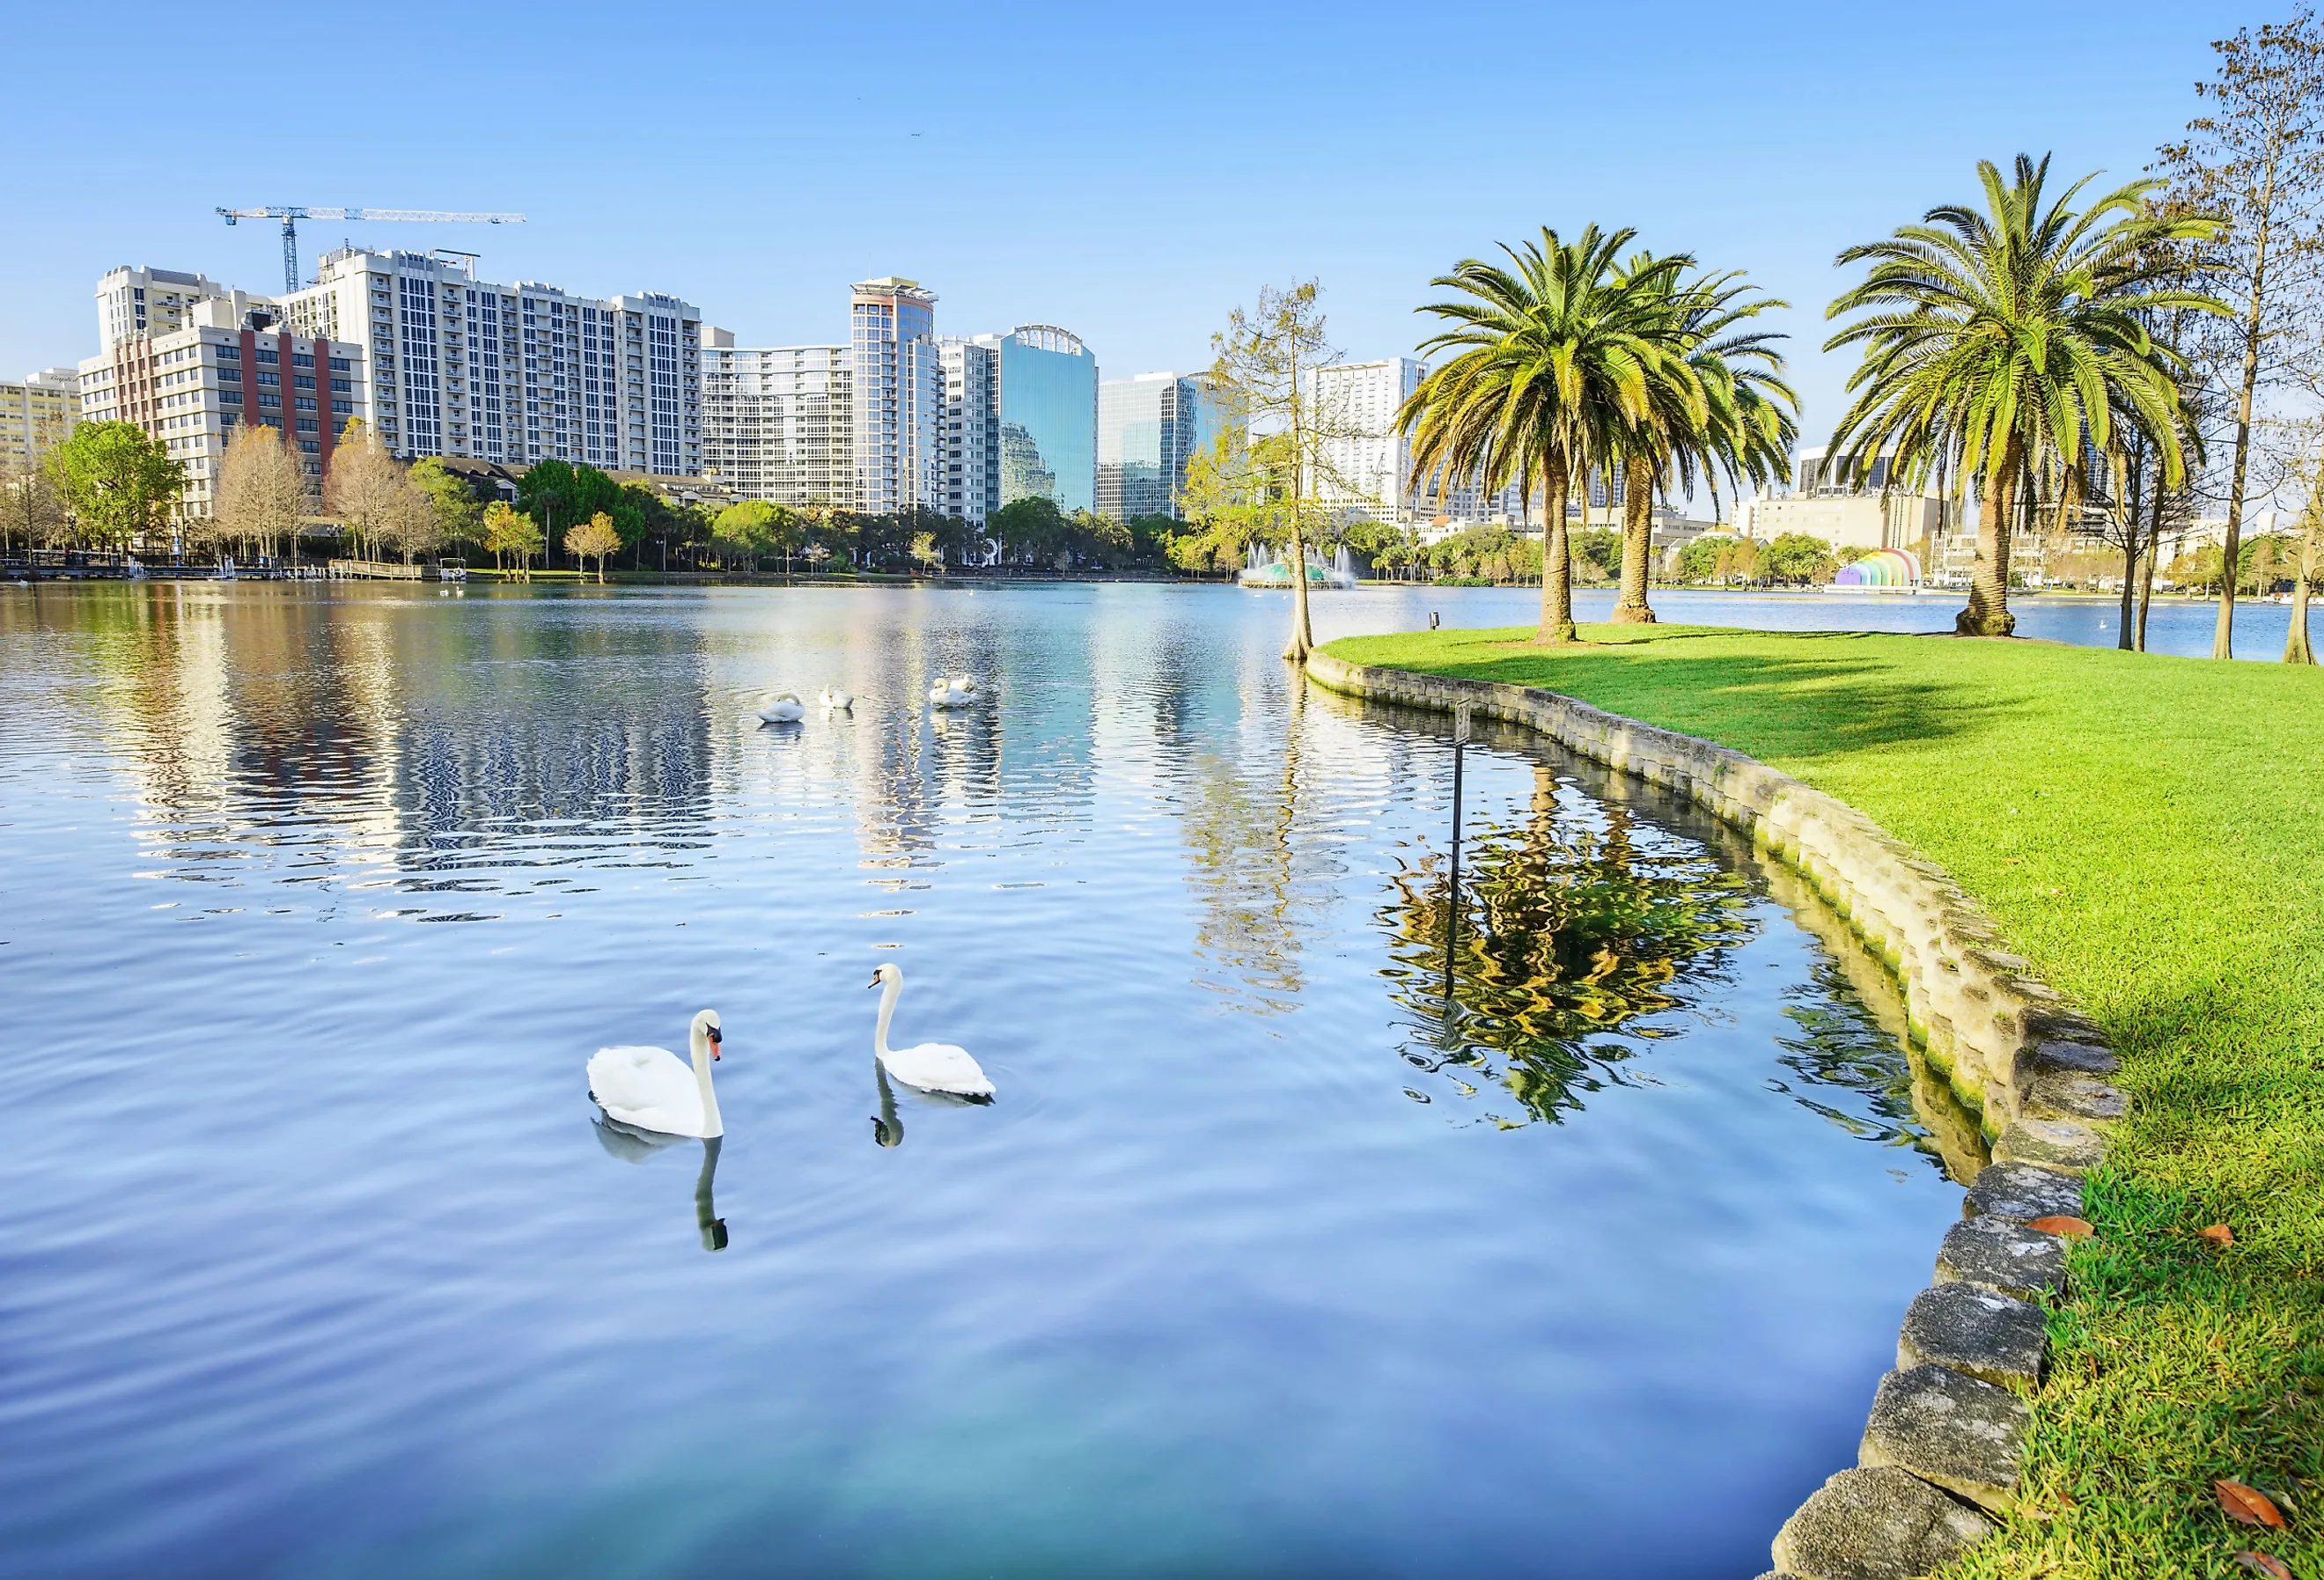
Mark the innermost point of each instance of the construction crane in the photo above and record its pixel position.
(291, 214)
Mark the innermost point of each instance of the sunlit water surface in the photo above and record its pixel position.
(313, 904)
(2175, 624)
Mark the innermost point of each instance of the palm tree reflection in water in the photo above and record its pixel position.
(1574, 925)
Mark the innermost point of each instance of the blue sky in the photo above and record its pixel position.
(1130, 173)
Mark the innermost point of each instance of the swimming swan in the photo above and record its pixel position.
(832, 697)
(647, 1089)
(932, 1067)
(783, 708)
(949, 694)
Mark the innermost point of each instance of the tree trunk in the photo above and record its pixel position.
(2223, 631)
(1557, 626)
(2126, 504)
(1988, 613)
(1638, 545)
(1303, 634)
(2296, 650)
(2146, 565)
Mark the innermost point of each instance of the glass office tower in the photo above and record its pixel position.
(1049, 417)
(1147, 429)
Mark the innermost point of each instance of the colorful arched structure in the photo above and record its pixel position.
(1897, 569)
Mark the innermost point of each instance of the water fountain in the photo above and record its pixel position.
(1265, 567)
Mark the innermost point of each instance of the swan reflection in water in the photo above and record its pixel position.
(888, 1126)
(633, 1145)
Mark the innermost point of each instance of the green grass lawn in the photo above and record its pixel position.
(2150, 833)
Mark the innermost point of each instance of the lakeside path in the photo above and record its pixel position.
(2149, 832)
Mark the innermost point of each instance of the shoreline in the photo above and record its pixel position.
(1944, 1441)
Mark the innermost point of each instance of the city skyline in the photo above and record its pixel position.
(1042, 215)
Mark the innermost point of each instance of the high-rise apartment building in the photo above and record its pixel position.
(518, 372)
(1366, 464)
(1147, 429)
(189, 388)
(971, 427)
(778, 423)
(1048, 416)
(135, 302)
(38, 413)
(899, 396)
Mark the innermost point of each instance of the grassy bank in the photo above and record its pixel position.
(2150, 833)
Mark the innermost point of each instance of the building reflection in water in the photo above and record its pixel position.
(390, 739)
(442, 752)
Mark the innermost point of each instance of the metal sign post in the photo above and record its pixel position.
(1453, 891)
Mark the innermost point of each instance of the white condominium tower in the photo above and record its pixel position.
(778, 423)
(38, 413)
(517, 374)
(898, 397)
(135, 302)
(971, 427)
(1367, 462)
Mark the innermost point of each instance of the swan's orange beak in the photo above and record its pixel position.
(715, 1040)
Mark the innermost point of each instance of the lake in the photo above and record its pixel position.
(317, 1261)
(2176, 626)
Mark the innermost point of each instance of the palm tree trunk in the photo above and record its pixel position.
(1988, 613)
(1557, 626)
(1638, 545)
(2127, 477)
(2146, 567)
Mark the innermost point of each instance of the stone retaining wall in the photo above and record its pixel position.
(1942, 1445)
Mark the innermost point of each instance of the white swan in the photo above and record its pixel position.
(932, 1067)
(949, 694)
(783, 708)
(964, 683)
(648, 1089)
(832, 697)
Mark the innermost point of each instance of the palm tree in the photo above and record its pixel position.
(1997, 341)
(1733, 414)
(1558, 358)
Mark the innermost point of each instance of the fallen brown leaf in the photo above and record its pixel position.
(2073, 1228)
(2245, 1505)
(2261, 1564)
(2219, 1235)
